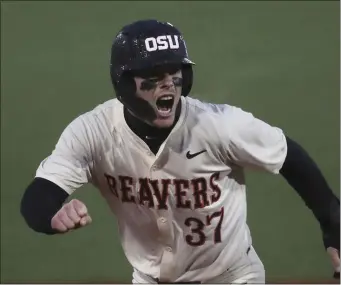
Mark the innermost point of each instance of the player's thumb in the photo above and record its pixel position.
(80, 208)
(86, 220)
(335, 258)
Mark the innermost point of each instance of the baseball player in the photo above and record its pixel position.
(171, 168)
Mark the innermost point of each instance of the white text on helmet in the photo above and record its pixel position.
(162, 43)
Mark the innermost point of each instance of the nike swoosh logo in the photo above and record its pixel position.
(192, 155)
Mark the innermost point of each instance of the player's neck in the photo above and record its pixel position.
(144, 130)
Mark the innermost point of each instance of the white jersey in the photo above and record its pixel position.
(182, 212)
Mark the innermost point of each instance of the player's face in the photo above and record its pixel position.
(161, 88)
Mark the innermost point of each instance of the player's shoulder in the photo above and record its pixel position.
(95, 124)
(216, 121)
(104, 110)
(204, 107)
(103, 116)
(214, 111)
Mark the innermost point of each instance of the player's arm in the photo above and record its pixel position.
(43, 204)
(303, 174)
(42, 199)
(255, 144)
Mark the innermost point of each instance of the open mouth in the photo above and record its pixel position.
(164, 104)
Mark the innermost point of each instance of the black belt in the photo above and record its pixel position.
(191, 282)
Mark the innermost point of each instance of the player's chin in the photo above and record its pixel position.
(164, 121)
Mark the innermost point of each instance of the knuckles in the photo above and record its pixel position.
(69, 216)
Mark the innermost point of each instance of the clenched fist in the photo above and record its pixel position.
(72, 215)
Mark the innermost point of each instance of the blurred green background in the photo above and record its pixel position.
(279, 60)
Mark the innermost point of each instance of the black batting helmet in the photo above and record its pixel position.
(141, 45)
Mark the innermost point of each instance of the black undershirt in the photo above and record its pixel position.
(302, 173)
(42, 198)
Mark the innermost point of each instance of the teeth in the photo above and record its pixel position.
(169, 97)
(165, 111)
(163, 105)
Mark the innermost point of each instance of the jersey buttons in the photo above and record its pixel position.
(169, 249)
(163, 220)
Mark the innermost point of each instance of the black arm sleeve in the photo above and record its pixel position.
(305, 177)
(41, 201)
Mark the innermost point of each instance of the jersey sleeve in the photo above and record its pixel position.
(69, 164)
(252, 143)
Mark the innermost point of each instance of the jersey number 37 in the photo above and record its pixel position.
(197, 236)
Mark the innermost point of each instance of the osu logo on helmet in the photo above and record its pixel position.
(162, 42)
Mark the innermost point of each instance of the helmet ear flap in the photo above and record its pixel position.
(126, 94)
(125, 87)
(187, 79)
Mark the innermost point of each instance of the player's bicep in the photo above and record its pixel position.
(69, 164)
(255, 144)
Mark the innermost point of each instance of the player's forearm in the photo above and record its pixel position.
(302, 173)
(40, 202)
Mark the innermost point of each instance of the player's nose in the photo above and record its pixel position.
(167, 81)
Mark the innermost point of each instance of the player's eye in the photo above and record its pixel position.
(149, 84)
(154, 80)
(177, 81)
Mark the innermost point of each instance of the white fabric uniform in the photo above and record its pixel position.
(180, 219)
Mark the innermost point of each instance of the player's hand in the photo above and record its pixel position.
(331, 237)
(72, 215)
(334, 255)
(331, 240)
